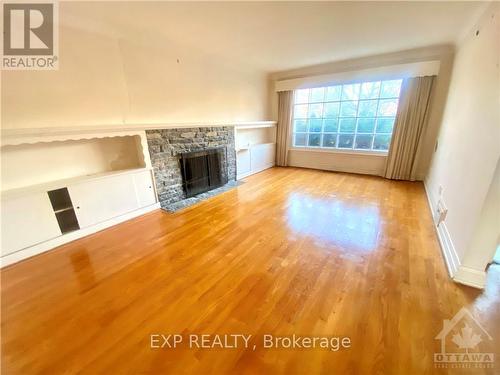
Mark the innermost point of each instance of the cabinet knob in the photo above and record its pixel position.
(77, 207)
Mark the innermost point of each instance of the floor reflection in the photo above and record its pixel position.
(83, 269)
(336, 222)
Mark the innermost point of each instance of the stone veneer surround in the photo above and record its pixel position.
(165, 145)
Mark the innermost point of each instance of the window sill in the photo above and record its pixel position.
(340, 151)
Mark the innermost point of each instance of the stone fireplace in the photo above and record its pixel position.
(166, 147)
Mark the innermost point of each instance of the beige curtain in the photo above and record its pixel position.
(285, 105)
(410, 125)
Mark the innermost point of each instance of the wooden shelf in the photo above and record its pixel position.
(63, 209)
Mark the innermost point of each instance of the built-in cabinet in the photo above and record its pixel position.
(27, 220)
(255, 149)
(63, 187)
(41, 213)
(100, 199)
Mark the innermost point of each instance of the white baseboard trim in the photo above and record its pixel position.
(58, 241)
(450, 255)
(447, 249)
(458, 273)
(470, 277)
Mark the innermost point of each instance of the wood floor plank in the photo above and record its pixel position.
(290, 251)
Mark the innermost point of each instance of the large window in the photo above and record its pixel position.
(356, 116)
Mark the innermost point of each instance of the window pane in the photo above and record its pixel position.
(300, 139)
(367, 108)
(390, 89)
(300, 111)
(315, 110)
(329, 140)
(382, 142)
(385, 125)
(331, 109)
(299, 125)
(330, 125)
(350, 92)
(388, 107)
(345, 140)
(349, 109)
(347, 125)
(315, 125)
(363, 141)
(366, 125)
(333, 93)
(314, 139)
(370, 90)
(353, 116)
(317, 94)
(302, 96)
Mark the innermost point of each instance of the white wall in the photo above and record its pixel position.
(338, 161)
(375, 164)
(487, 232)
(469, 139)
(109, 76)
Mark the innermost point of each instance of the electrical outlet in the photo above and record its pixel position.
(441, 212)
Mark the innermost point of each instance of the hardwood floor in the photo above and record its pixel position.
(291, 251)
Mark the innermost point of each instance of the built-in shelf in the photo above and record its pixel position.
(267, 124)
(61, 185)
(31, 135)
(63, 209)
(255, 147)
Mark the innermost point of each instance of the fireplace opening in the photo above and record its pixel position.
(203, 170)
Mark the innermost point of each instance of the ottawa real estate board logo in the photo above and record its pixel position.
(30, 36)
(460, 343)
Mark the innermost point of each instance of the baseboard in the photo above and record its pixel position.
(449, 253)
(447, 249)
(470, 277)
(61, 240)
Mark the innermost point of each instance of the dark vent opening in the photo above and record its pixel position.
(63, 209)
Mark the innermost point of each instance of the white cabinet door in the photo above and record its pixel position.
(144, 188)
(243, 162)
(262, 156)
(26, 221)
(102, 199)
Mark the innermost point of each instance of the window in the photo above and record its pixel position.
(357, 116)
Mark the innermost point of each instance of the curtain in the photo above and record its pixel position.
(409, 127)
(285, 99)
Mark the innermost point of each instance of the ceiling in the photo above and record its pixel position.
(276, 36)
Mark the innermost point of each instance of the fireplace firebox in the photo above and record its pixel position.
(203, 170)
